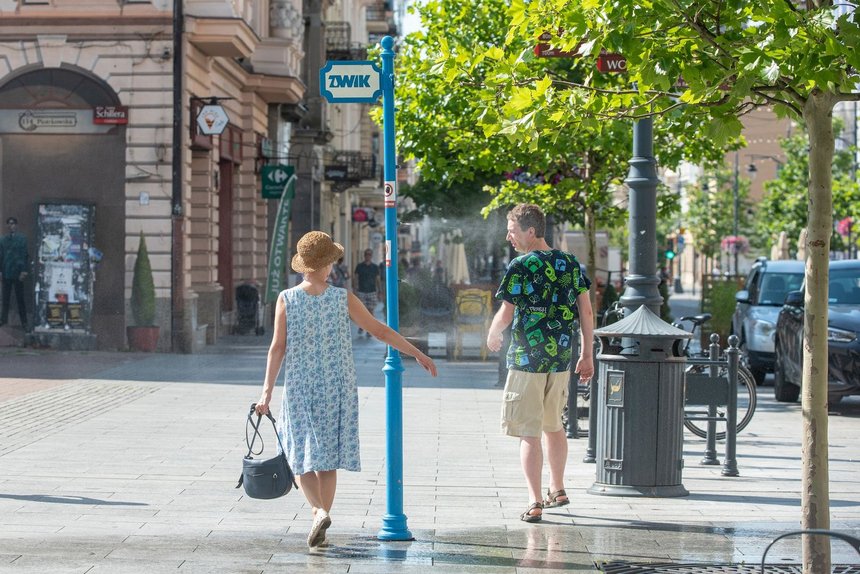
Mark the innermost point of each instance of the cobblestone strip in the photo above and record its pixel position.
(60, 407)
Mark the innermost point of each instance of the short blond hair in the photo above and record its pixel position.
(529, 215)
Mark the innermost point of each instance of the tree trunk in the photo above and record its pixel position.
(815, 481)
(591, 257)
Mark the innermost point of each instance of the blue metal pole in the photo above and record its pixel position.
(394, 522)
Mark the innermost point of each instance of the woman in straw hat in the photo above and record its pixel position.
(318, 422)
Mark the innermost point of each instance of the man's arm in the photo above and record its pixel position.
(502, 319)
(585, 364)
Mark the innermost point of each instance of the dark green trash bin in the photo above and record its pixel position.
(640, 408)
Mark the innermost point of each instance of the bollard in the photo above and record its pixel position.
(730, 463)
(590, 450)
(710, 456)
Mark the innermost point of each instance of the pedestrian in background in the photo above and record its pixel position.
(318, 421)
(14, 262)
(365, 283)
(339, 274)
(383, 272)
(541, 292)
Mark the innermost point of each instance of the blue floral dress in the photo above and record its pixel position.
(318, 422)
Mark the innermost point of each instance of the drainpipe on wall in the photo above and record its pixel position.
(176, 290)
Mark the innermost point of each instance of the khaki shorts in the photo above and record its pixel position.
(533, 402)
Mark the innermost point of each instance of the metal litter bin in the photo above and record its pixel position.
(640, 408)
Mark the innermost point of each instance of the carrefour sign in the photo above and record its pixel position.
(350, 82)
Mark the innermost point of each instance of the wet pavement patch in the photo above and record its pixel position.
(669, 568)
(432, 552)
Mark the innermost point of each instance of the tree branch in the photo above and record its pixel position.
(762, 91)
(704, 33)
(848, 97)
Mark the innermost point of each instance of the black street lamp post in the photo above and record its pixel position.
(736, 210)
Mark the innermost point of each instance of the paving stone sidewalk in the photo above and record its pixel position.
(131, 468)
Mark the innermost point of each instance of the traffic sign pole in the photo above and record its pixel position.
(394, 522)
(363, 82)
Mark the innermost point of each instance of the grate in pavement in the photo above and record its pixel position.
(669, 568)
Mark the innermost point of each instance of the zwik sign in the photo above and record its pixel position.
(350, 82)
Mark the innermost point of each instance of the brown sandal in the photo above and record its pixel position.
(552, 499)
(527, 516)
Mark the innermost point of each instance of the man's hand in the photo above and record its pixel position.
(494, 341)
(585, 368)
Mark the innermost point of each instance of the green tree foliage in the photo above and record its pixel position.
(451, 120)
(710, 210)
(785, 199)
(143, 288)
(702, 64)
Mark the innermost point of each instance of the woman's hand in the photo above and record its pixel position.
(262, 406)
(427, 363)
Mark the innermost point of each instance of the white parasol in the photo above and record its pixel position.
(801, 245)
(458, 268)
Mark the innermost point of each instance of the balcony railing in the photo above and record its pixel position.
(339, 44)
(352, 166)
(378, 13)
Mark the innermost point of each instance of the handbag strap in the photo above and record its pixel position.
(256, 427)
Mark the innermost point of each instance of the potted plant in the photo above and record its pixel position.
(143, 336)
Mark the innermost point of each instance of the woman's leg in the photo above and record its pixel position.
(327, 481)
(309, 484)
(319, 488)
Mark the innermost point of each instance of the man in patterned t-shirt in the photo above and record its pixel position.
(543, 291)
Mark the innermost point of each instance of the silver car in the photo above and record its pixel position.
(757, 308)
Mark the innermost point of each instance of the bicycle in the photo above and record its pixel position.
(747, 398)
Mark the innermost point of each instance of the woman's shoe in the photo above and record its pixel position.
(316, 536)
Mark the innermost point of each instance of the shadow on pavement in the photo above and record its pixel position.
(53, 499)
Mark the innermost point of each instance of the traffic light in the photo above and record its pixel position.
(670, 248)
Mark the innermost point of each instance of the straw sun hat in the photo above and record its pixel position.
(315, 250)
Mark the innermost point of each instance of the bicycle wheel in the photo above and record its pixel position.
(747, 401)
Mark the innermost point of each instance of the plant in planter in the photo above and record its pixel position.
(143, 336)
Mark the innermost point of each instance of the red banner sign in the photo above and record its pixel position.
(110, 115)
(612, 63)
(543, 49)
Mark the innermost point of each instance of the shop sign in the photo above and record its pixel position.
(212, 119)
(113, 115)
(544, 50)
(351, 82)
(267, 148)
(278, 249)
(48, 121)
(363, 214)
(336, 172)
(610, 63)
(278, 180)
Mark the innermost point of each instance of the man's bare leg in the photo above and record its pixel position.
(556, 454)
(531, 459)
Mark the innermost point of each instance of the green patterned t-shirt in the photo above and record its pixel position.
(542, 286)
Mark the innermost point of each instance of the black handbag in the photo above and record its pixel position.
(269, 478)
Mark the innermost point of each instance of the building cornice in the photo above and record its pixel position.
(224, 37)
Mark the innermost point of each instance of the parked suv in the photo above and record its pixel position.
(754, 320)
